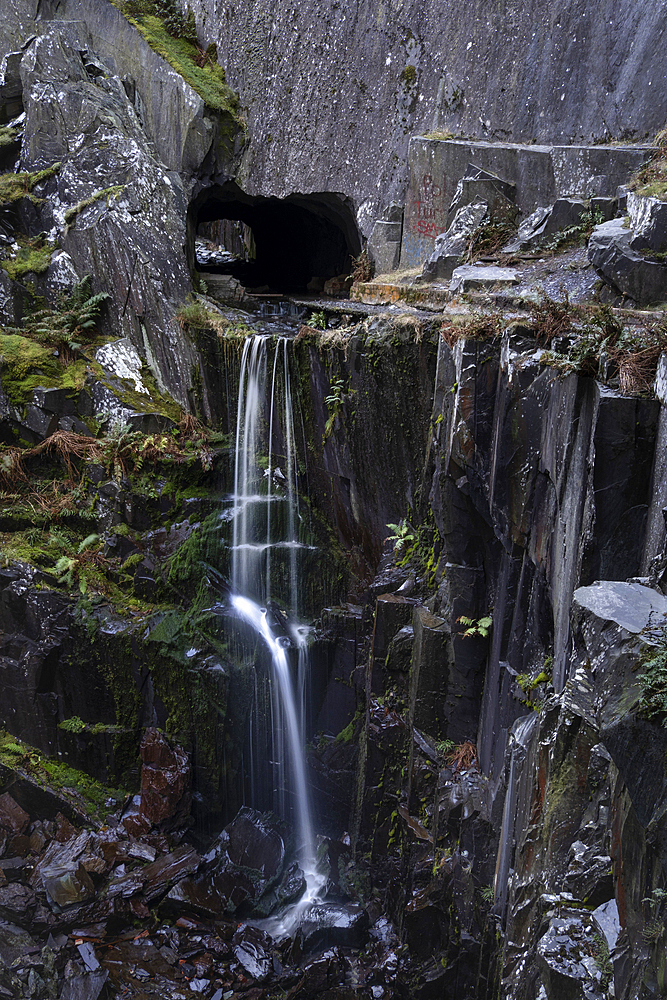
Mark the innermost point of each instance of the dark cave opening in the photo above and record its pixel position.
(280, 245)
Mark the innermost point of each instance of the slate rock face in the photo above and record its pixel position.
(365, 56)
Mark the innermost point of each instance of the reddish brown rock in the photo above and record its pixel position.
(12, 818)
(166, 793)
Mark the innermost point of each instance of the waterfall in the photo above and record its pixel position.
(265, 531)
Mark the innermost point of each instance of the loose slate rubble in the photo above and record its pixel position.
(73, 904)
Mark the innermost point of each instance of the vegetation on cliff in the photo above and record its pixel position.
(174, 37)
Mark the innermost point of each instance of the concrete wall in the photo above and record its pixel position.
(334, 91)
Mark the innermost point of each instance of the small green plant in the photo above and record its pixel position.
(73, 725)
(487, 893)
(476, 626)
(69, 322)
(654, 925)
(317, 320)
(577, 234)
(403, 534)
(334, 403)
(71, 569)
(653, 676)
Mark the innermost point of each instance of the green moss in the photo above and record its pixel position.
(33, 257)
(409, 76)
(13, 187)
(82, 791)
(9, 136)
(197, 319)
(25, 366)
(108, 193)
(207, 80)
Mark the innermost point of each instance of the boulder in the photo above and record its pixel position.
(248, 859)
(612, 254)
(166, 792)
(572, 958)
(480, 186)
(252, 948)
(326, 924)
(648, 221)
(450, 246)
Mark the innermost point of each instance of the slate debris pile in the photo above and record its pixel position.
(91, 914)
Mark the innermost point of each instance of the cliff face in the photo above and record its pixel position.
(333, 92)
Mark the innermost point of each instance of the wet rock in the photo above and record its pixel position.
(155, 880)
(166, 793)
(12, 817)
(61, 874)
(323, 973)
(589, 875)
(90, 986)
(607, 917)
(252, 948)
(326, 924)
(450, 246)
(17, 903)
(198, 896)
(571, 958)
(478, 276)
(248, 858)
(292, 887)
(14, 943)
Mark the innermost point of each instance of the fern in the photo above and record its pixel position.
(66, 324)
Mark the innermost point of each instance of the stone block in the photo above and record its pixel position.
(482, 186)
(474, 276)
(648, 221)
(450, 246)
(384, 246)
(432, 661)
(611, 253)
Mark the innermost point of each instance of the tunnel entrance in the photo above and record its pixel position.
(290, 245)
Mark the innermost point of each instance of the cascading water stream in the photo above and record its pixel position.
(253, 550)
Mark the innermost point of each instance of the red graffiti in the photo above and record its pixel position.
(426, 214)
